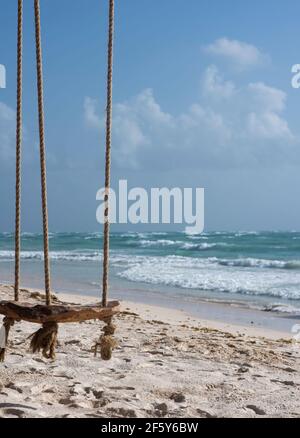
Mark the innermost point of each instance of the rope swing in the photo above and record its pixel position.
(48, 315)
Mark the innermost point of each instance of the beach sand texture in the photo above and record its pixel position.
(166, 365)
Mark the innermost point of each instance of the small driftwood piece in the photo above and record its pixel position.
(40, 314)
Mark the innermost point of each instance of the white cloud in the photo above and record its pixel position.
(90, 112)
(269, 125)
(231, 127)
(241, 55)
(265, 120)
(7, 133)
(267, 98)
(214, 84)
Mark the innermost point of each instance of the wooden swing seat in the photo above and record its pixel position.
(41, 314)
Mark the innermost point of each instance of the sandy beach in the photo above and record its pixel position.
(167, 364)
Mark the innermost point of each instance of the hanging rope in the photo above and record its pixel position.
(9, 322)
(42, 148)
(108, 153)
(18, 151)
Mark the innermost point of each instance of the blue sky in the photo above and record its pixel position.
(203, 97)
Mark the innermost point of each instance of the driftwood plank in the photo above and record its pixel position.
(40, 314)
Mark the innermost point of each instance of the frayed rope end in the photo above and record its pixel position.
(45, 339)
(4, 333)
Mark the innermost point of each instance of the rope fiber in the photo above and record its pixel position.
(108, 153)
(18, 150)
(39, 63)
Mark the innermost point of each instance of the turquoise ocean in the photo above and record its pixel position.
(256, 269)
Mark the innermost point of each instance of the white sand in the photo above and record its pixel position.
(167, 364)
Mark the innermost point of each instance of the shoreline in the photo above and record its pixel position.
(249, 322)
(233, 317)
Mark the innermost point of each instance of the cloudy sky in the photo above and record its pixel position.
(202, 98)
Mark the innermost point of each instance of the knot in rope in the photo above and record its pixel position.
(106, 343)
